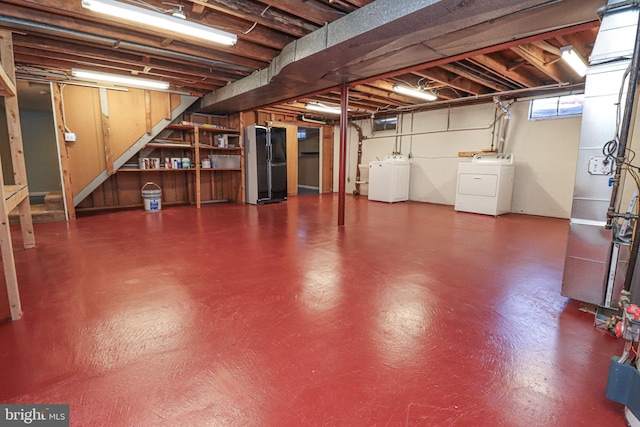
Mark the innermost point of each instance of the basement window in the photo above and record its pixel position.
(385, 122)
(556, 106)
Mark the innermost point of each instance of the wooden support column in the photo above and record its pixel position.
(342, 171)
(106, 130)
(8, 261)
(196, 142)
(15, 140)
(147, 111)
(63, 152)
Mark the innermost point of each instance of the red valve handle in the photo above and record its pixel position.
(619, 327)
(634, 310)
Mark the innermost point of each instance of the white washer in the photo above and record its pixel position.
(389, 179)
(485, 185)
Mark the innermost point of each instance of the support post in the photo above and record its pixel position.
(344, 120)
(196, 145)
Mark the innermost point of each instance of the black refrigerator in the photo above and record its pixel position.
(265, 153)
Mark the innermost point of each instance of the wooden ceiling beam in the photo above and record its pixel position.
(500, 67)
(151, 68)
(462, 72)
(123, 58)
(62, 14)
(62, 66)
(112, 37)
(444, 77)
(197, 9)
(354, 105)
(359, 3)
(582, 42)
(66, 62)
(246, 31)
(388, 86)
(384, 91)
(490, 49)
(547, 47)
(313, 13)
(541, 60)
(250, 11)
(375, 103)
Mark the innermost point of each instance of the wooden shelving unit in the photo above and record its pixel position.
(17, 195)
(194, 139)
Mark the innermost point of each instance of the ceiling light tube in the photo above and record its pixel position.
(574, 60)
(322, 108)
(428, 96)
(156, 19)
(93, 76)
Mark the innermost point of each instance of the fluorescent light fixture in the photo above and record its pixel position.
(427, 96)
(159, 20)
(322, 108)
(574, 60)
(93, 76)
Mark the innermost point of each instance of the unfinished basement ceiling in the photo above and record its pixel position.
(457, 48)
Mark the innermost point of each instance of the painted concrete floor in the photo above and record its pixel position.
(235, 315)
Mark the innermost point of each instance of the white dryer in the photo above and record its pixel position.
(389, 179)
(485, 185)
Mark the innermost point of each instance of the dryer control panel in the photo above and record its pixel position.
(493, 158)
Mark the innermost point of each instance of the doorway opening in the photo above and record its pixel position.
(40, 152)
(308, 160)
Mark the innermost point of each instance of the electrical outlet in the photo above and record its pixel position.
(600, 165)
(70, 137)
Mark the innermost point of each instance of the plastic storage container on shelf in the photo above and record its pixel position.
(222, 161)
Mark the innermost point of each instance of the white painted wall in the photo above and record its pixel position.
(545, 154)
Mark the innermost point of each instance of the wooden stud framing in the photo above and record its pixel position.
(327, 159)
(64, 153)
(15, 195)
(106, 130)
(7, 87)
(196, 142)
(147, 109)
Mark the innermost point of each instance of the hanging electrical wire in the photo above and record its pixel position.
(256, 22)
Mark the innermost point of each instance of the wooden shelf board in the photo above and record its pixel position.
(7, 87)
(202, 128)
(175, 170)
(169, 140)
(180, 145)
(14, 194)
(168, 145)
(211, 147)
(130, 206)
(156, 170)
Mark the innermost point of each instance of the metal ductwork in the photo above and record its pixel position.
(589, 274)
(501, 126)
(389, 35)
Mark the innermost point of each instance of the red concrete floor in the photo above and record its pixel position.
(235, 315)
